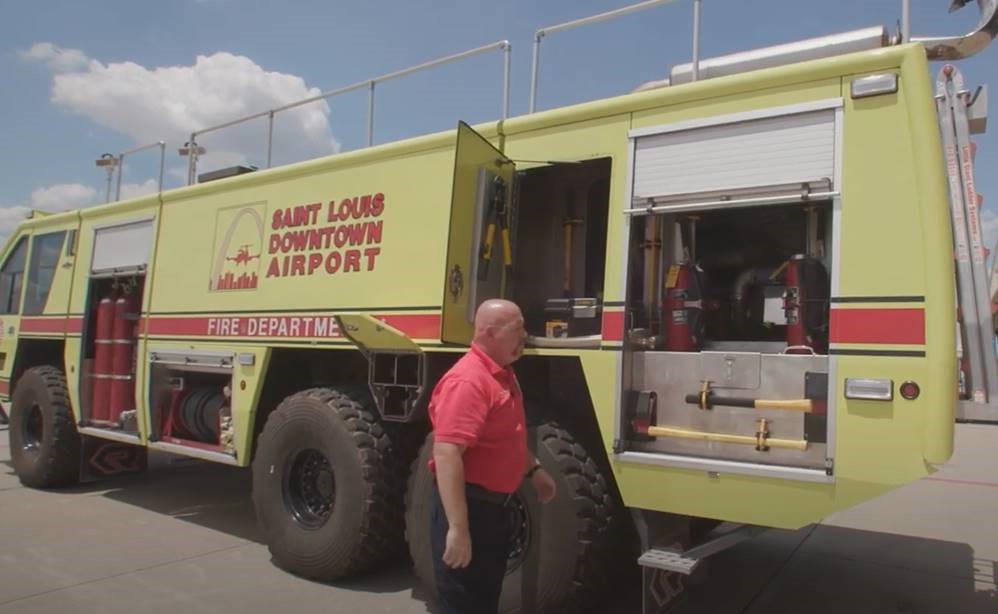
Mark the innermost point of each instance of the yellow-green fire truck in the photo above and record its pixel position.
(740, 288)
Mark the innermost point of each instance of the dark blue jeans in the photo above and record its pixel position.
(474, 589)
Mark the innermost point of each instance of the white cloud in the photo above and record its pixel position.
(61, 197)
(168, 103)
(133, 190)
(58, 59)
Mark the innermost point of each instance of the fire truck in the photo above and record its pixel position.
(745, 288)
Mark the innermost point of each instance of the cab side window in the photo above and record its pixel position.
(12, 277)
(44, 260)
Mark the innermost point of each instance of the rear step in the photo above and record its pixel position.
(659, 565)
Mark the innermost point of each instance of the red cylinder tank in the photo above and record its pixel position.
(101, 390)
(122, 393)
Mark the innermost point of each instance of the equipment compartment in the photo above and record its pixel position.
(559, 235)
(107, 385)
(190, 398)
(727, 352)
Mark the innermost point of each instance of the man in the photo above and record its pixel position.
(480, 457)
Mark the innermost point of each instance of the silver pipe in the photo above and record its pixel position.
(905, 21)
(370, 115)
(234, 122)
(506, 52)
(780, 55)
(107, 192)
(949, 48)
(539, 34)
(121, 163)
(270, 137)
(121, 169)
(503, 44)
(627, 10)
(162, 162)
(192, 159)
(720, 204)
(696, 40)
(533, 69)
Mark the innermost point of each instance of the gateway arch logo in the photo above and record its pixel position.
(238, 246)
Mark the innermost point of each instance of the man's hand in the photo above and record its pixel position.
(544, 485)
(457, 552)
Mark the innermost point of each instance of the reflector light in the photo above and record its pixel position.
(909, 390)
(874, 85)
(870, 389)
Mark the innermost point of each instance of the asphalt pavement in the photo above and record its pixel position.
(183, 538)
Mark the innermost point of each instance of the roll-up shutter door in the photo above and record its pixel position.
(786, 149)
(125, 247)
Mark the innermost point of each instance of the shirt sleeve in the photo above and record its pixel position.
(460, 409)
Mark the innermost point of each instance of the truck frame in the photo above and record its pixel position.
(740, 289)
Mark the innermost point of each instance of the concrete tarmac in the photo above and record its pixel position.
(183, 538)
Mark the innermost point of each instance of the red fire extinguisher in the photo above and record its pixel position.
(806, 304)
(103, 341)
(682, 308)
(123, 334)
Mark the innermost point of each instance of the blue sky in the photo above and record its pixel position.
(83, 78)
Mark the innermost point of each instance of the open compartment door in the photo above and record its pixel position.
(478, 249)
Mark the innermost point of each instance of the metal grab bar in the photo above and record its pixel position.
(627, 10)
(121, 164)
(502, 45)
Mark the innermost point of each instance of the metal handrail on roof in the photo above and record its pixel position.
(503, 45)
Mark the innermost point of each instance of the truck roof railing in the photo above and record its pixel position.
(193, 150)
(937, 48)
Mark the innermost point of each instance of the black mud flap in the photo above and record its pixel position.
(101, 458)
(662, 590)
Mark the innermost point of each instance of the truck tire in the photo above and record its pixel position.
(574, 545)
(44, 443)
(323, 490)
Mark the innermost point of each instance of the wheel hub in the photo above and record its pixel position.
(310, 489)
(33, 429)
(519, 533)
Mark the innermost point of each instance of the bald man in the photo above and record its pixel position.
(480, 457)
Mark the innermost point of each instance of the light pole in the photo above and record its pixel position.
(191, 150)
(108, 162)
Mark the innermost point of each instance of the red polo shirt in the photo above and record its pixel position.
(478, 404)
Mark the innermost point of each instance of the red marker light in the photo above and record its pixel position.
(909, 390)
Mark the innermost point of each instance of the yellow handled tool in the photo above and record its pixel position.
(790, 444)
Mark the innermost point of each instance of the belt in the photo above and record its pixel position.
(474, 491)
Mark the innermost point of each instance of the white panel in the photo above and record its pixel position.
(761, 152)
(126, 245)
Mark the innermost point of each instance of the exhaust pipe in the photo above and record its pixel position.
(938, 49)
(946, 49)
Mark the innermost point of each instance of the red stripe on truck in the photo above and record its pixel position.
(893, 326)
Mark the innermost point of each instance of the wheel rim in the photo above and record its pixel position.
(310, 489)
(520, 522)
(33, 429)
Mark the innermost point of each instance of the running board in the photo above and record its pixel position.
(686, 562)
(208, 455)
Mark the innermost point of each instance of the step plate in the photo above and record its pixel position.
(668, 560)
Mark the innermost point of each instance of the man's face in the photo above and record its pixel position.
(509, 339)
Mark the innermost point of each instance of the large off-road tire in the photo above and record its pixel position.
(562, 550)
(323, 489)
(44, 443)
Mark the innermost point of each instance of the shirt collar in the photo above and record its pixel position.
(485, 359)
